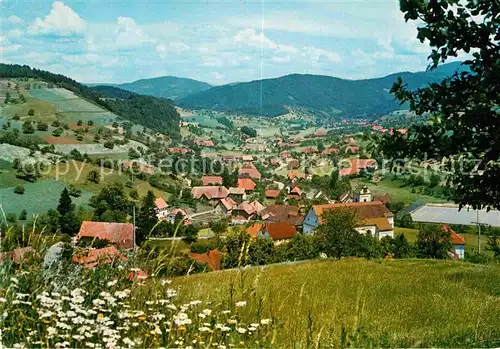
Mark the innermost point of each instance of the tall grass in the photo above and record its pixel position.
(352, 302)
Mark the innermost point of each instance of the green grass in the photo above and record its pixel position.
(38, 197)
(397, 192)
(402, 303)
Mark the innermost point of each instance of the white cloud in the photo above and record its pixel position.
(283, 59)
(129, 34)
(15, 20)
(91, 59)
(15, 33)
(176, 47)
(6, 46)
(61, 21)
(217, 76)
(317, 55)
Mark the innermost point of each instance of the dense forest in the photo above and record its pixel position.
(346, 98)
(155, 113)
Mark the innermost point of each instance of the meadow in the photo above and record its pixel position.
(359, 303)
(38, 197)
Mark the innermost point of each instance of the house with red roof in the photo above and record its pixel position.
(227, 205)
(119, 234)
(272, 193)
(161, 208)
(247, 184)
(275, 162)
(282, 213)
(210, 193)
(249, 171)
(238, 194)
(309, 150)
(212, 258)
(278, 231)
(294, 193)
(458, 242)
(201, 143)
(99, 256)
(172, 215)
(351, 149)
(320, 133)
(285, 154)
(182, 151)
(211, 180)
(293, 163)
(247, 157)
(295, 175)
(330, 151)
(246, 211)
(349, 140)
(356, 166)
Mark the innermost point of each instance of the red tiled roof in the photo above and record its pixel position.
(296, 190)
(99, 256)
(250, 172)
(330, 151)
(309, 150)
(282, 213)
(456, 239)
(247, 158)
(245, 206)
(178, 150)
(320, 133)
(212, 258)
(352, 149)
(211, 180)
(210, 192)
(120, 234)
(276, 230)
(275, 161)
(272, 193)
(349, 140)
(364, 210)
(384, 198)
(246, 183)
(228, 203)
(296, 174)
(160, 203)
(294, 163)
(285, 154)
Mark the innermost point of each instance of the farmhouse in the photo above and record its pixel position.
(277, 231)
(182, 151)
(211, 180)
(161, 208)
(227, 205)
(349, 140)
(249, 170)
(212, 258)
(293, 163)
(207, 144)
(374, 217)
(98, 256)
(246, 184)
(246, 211)
(295, 174)
(294, 193)
(282, 213)
(458, 242)
(172, 215)
(119, 234)
(272, 193)
(351, 149)
(238, 194)
(210, 193)
(320, 133)
(330, 151)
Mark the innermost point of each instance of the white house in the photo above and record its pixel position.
(161, 208)
(373, 216)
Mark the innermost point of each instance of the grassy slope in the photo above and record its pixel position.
(402, 302)
(397, 192)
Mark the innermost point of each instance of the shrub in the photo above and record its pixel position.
(19, 189)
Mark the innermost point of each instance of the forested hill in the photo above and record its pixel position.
(170, 87)
(155, 113)
(348, 98)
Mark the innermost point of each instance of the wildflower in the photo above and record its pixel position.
(204, 329)
(165, 282)
(254, 325)
(14, 280)
(121, 294)
(100, 316)
(265, 321)
(195, 303)
(231, 321)
(51, 331)
(241, 330)
(128, 341)
(2, 300)
(112, 283)
(241, 304)
(207, 312)
(181, 328)
(142, 318)
(226, 311)
(21, 295)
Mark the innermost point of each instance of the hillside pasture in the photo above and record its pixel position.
(359, 303)
(38, 197)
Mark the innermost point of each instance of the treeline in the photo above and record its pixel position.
(155, 113)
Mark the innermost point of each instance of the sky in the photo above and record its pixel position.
(110, 41)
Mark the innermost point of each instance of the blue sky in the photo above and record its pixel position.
(213, 41)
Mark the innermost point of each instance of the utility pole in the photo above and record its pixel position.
(479, 224)
(134, 224)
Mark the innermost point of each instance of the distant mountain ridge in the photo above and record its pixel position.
(349, 98)
(170, 87)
